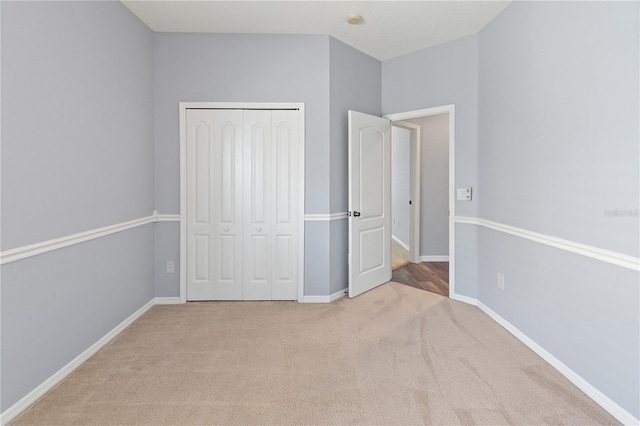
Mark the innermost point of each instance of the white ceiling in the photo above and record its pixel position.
(389, 28)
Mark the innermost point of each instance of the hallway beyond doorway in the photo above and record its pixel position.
(429, 276)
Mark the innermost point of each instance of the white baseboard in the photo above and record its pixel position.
(17, 408)
(167, 300)
(443, 258)
(591, 391)
(325, 299)
(338, 294)
(397, 240)
(465, 299)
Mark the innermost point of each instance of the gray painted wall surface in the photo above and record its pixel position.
(56, 305)
(241, 68)
(434, 188)
(354, 84)
(443, 75)
(77, 154)
(400, 182)
(581, 310)
(558, 142)
(559, 121)
(355, 81)
(76, 119)
(166, 235)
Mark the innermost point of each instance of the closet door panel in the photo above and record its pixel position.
(200, 228)
(286, 140)
(227, 204)
(258, 201)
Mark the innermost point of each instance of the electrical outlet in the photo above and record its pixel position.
(500, 281)
(171, 267)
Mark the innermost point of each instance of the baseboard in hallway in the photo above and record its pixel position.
(399, 255)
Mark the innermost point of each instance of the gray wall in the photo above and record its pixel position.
(443, 75)
(555, 85)
(354, 84)
(434, 180)
(77, 154)
(400, 182)
(558, 147)
(241, 68)
(548, 125)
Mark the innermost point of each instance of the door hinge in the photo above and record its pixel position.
(349, 214)
(409, 202)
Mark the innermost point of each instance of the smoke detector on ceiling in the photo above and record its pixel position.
(354, 19)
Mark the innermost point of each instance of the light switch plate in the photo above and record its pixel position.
(464, 194)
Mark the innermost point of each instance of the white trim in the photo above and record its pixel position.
(419, 113)
(168, 218)
(182, 111)
(615, 258)
(442, 258)
(313, 217)
(399, 241)
(592, 392)
(38, 248)
(167, 301)
(11, 412)
(301, 194)
(326, 299)
(451, 110)
(465, 299)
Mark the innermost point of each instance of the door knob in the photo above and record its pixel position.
(259, 229)
(356, 214)
(226, 229)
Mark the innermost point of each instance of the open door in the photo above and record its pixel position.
(369, 202)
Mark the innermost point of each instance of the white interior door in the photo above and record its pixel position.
(369, 202)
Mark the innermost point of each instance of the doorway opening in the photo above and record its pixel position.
(405, 194)
(430, 263)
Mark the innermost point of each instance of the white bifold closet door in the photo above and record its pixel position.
(242, 204)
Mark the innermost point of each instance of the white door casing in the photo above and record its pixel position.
(369, 202)
(243, 184)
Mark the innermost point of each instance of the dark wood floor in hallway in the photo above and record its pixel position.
(429, 276)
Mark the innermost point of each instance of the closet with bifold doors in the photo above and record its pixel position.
(242, 204)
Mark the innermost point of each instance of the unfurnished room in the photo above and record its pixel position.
(319, 212)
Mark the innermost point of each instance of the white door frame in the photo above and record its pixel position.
(414, 189)
(446, 109)
(183, 107)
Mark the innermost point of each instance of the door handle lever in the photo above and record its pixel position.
(356, 214)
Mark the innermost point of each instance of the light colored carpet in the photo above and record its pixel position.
(399, 255)
(392, 356)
